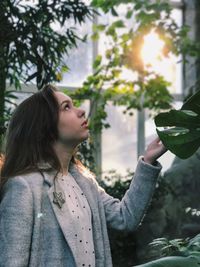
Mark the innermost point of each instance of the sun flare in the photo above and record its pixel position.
(154, 59)
(151, 51)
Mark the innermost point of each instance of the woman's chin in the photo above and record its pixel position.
(86, 136)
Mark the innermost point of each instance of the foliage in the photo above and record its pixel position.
(182, 128)
(31, 40)
(122, 244)
(116, 185)
(184, 252)
(193, 212)
(84, 154)
(125, 245)
(171, 247)
(173, 261)
(31, 47)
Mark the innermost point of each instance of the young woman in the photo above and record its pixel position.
(52, 211)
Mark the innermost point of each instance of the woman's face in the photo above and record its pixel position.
(70, 129)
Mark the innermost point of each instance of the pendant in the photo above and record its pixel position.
(58, 199)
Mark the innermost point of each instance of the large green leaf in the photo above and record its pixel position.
(181, 132)
(173, 261)
(193, 103)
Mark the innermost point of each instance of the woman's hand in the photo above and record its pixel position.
(154, 150)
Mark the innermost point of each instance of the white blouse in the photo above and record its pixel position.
(81, 215)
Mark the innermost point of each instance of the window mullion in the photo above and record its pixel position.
(97, 137)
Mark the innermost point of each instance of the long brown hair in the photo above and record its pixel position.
(30, 134)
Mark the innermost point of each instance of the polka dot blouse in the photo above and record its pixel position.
(81, 215)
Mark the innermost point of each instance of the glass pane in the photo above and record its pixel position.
(119, 142)
(171, 68)
(86, 106)
(79, 59)
(21, 96)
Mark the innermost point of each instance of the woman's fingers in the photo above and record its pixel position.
(154, 150)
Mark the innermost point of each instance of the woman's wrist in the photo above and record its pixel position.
(149, 160)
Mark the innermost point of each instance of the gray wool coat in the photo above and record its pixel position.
(35, 232)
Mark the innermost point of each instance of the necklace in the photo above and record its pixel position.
(58, 197)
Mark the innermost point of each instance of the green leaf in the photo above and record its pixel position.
(95, 36)
(99, 27)
(138, 6)
(64, 68)
(114, 12)
(97, 61)
(181, 133)
(119, 24)
(193, 103)
(129, 14)
(177, 118)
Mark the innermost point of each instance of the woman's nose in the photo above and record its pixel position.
(82, 112)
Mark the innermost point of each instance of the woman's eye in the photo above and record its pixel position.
(66, 106)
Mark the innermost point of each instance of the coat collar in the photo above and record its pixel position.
(49, 172)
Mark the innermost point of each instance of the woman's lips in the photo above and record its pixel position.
(85, 123)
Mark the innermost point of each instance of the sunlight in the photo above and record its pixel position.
(152, 48)
(154, 60)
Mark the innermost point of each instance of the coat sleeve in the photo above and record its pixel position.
(16, 219)
(127, 214)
